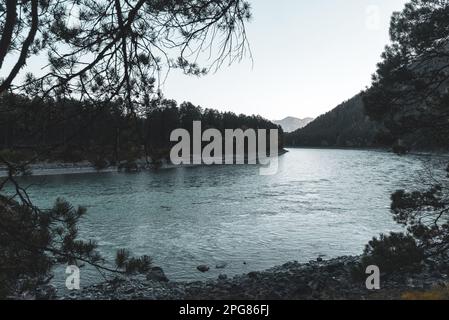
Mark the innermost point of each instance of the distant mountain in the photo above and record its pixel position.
(345, 126)
(291, 124)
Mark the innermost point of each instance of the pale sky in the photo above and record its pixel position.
(309, 56)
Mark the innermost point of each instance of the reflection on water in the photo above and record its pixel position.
(322, 202)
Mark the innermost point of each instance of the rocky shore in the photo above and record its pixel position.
(62, 168)
(58, 168)
(330, 280)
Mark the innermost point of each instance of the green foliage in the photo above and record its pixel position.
(122, 256)
(72, 131)
(426, 216)
(16, 162)
(132, 265)
(150, 35)
(143, 38)
(392, 253)
(409, 93)
(410, 98)
(31, 241)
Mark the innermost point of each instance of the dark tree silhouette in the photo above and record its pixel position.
(409, 93)
(117, 48)
(104, 59)
(410, 97)
(72, 131)
(347, 125)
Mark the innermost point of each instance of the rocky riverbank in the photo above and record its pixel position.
(62, 168)
(332, 279)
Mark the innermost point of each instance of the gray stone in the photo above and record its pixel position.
(203, 268)
(329, 279)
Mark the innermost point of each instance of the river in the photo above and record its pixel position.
(321, 203)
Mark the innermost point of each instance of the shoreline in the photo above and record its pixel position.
(316, 280)
(440, 153)
(61, 168)
(84, 167)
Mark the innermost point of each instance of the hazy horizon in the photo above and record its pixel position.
(308, 57)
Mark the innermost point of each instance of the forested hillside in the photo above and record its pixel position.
(71, 131)
(345, 126)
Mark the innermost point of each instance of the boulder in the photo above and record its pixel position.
(203, 268)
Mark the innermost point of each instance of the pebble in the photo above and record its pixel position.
(203, 268)
(293, 281)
